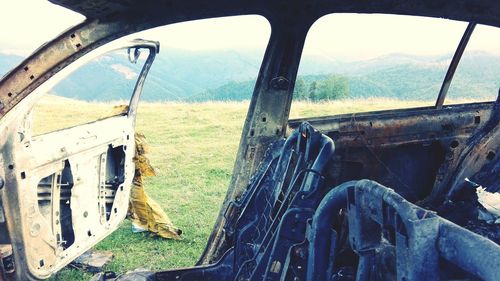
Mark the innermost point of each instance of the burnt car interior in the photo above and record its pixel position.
(386, 195)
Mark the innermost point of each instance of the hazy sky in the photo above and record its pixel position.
(345, 36)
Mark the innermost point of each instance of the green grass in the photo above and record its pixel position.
(193, 147)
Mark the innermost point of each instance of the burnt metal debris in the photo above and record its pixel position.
(368, 196)
(294, 223)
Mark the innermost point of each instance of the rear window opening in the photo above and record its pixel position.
(367, 62)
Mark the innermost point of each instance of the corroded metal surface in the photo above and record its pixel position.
(68, 189)
(369, 141)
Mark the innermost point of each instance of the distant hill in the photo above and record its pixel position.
(175, 74)
(230, 75)
(396, 76)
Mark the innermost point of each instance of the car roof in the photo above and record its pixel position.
(479, 11)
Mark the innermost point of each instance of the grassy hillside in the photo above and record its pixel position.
(193, 150)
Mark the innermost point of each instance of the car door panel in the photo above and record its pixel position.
(67, 189)
(74, 192)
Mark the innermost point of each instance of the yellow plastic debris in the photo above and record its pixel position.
(144, 211)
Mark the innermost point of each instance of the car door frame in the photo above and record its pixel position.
(26, 160)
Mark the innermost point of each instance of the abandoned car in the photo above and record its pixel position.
(385, 195)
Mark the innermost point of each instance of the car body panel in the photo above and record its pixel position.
(67, 189)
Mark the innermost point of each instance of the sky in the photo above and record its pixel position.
(343, 36)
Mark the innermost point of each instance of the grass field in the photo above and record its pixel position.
(193, 150)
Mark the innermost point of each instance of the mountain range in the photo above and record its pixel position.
(181, 75)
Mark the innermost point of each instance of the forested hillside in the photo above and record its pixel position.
(397, 76)
(179, 75)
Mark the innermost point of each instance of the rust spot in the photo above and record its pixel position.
(491, 155)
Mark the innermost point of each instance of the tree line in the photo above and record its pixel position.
(332, 87)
